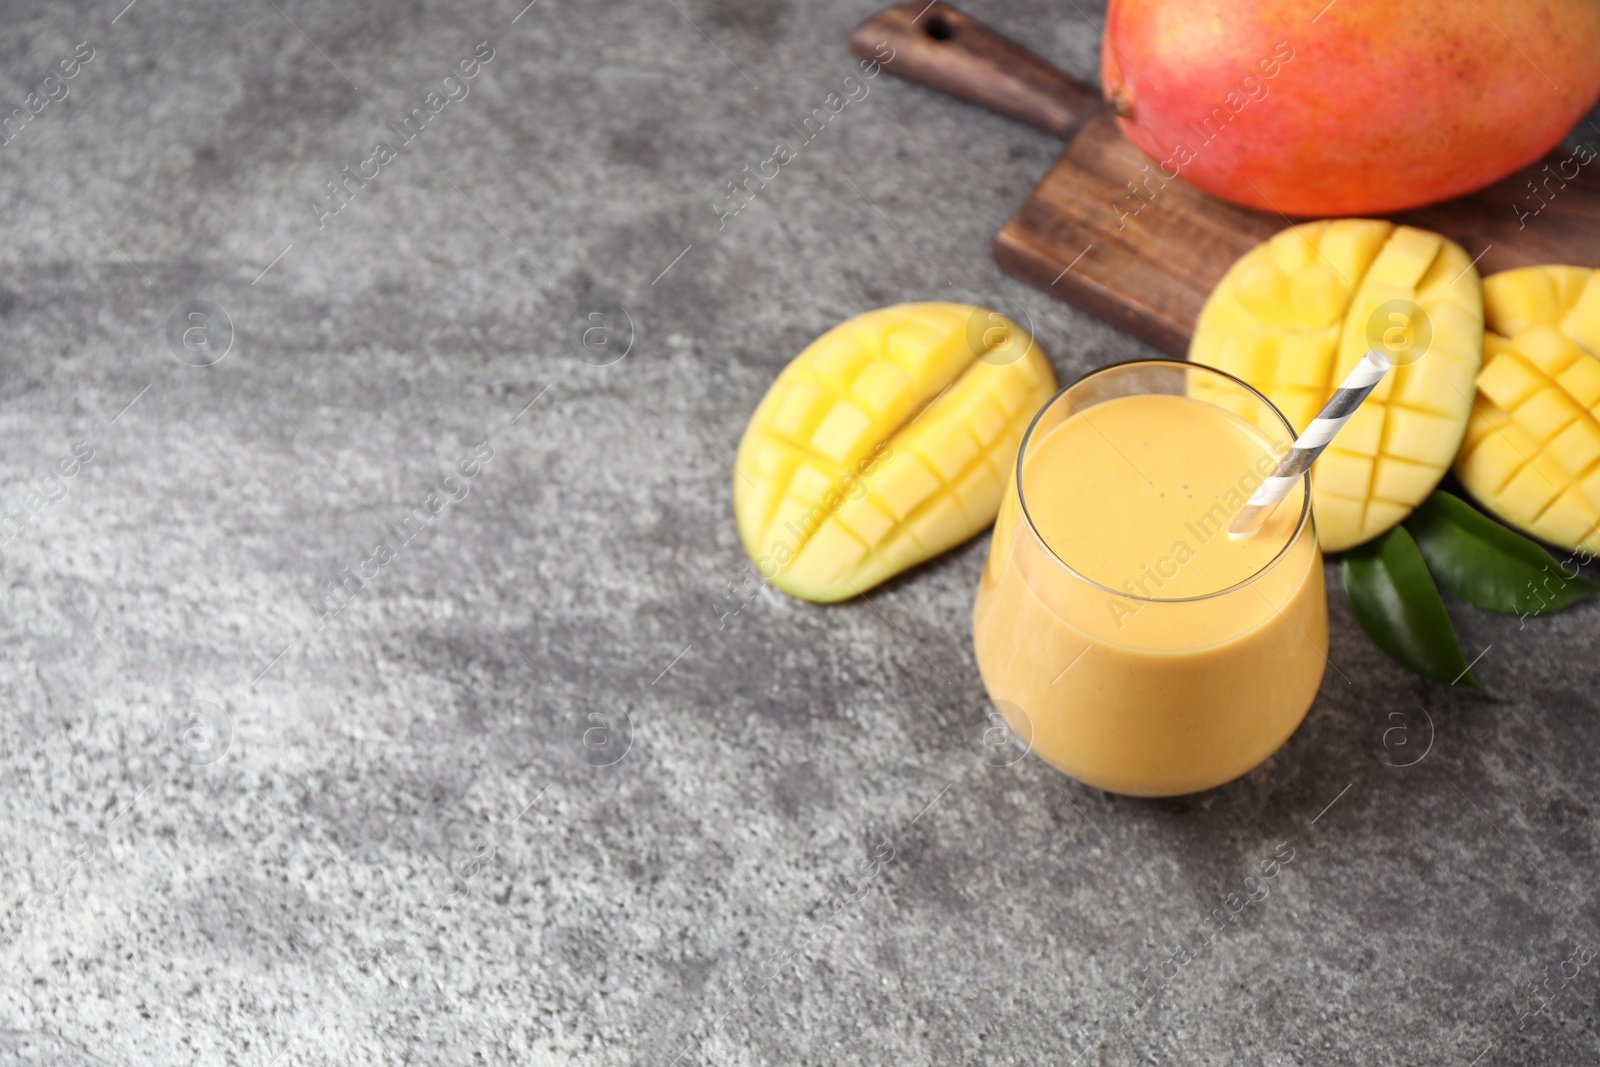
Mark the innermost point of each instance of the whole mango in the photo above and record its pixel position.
(1353, 108)
(887, 441)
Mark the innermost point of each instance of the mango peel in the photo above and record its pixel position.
(1292, 318)
(887, 441)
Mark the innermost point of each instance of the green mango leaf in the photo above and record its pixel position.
(1490, 566)
(1398, 605)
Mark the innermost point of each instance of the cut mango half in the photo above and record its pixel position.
(1291, 318)
(1532, 451)
(887, 441)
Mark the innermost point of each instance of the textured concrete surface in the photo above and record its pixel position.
(558, 784)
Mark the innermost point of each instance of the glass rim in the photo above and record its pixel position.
(1184, 364)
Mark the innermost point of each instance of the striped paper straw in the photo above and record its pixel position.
(1309, 445)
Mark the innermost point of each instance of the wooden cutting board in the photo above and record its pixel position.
(1147, 265)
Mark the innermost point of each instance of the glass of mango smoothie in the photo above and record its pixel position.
(1122, 633)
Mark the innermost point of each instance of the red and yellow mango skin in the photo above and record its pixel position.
(1360, 107)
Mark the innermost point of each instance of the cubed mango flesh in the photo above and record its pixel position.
(1291, 317)
(1532, 449)
(1567, 298)
(889, 440)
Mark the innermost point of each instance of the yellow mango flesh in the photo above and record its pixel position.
(1567, 298)
(1532, 449)
(1290, 318)
(887, 441)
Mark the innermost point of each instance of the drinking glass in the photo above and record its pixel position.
(1116, 685)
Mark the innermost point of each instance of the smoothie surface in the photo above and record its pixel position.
(1136, 494)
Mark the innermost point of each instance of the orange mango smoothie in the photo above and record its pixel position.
(1121, 631)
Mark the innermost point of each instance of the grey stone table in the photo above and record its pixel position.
(550, 781)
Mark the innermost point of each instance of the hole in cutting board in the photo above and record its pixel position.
(939, 28)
